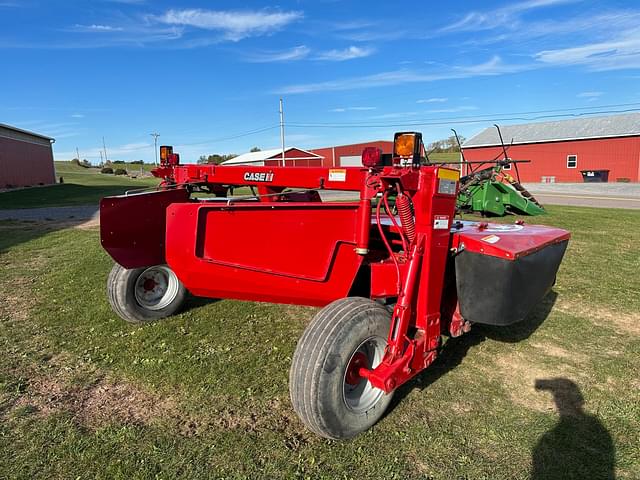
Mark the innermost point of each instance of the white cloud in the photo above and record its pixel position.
(98, 28)
(621, 51)
(589, 94)
(463, 108)
(352, 109)
(234, 24)
(346, 54)
(507, 16)
(433, 100)
(393, 115)
(295, 53)
(77, 115)
(494, 66)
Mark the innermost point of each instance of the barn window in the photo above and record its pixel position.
(572, 161)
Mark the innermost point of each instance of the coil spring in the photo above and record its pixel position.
(403, 205)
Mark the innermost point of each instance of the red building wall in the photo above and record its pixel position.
(298, 158)
(619, 155)
(25, 164)
(348, 151)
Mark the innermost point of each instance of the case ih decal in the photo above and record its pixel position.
(258, 176)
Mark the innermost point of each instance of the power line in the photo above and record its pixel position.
(231, 137)
(474, 118)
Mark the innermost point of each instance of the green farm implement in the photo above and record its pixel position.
(490, 191)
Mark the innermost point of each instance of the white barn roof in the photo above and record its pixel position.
(258, 158)
(625, 125)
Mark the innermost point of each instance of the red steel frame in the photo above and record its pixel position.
(289, 246)
(315, 251)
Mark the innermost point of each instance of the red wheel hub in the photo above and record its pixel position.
(358, 361)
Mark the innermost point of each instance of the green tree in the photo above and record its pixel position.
(447, 145)
(215, 159)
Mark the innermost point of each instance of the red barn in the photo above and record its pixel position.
(559, 151)
(26, 158)
(349, 155)
(293, 157)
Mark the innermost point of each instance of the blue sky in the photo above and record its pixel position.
(208, 75)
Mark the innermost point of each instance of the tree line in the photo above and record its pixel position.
(447, 145)
(216, 158)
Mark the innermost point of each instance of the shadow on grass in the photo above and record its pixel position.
(14, 232)
(192, 302)
(579, 446)
(455, 350)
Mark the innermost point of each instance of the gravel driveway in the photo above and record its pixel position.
(79, 214)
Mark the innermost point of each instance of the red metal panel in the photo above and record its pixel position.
(348, 178)
(619, 155)
(267, 252)
(25, 164)
(138, 242)
(508, 241)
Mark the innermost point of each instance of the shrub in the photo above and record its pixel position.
(120, 171)
(106, 170)
(137, 162)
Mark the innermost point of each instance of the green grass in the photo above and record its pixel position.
(82, 186)
(444, 157)
(204, 394)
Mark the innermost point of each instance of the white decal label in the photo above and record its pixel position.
(258, 176)
(491, 239)
(338, 175)
(441, 222)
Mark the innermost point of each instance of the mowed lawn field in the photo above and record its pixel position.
(82, 186)
(204, 394)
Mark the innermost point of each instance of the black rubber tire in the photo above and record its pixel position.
(120, 291)
(320, 361)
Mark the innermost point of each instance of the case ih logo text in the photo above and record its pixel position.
(258, 176)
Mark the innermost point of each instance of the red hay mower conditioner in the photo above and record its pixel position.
(394, 271)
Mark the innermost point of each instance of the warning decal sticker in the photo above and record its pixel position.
(440, 222)
(338, 175)
(491, 239)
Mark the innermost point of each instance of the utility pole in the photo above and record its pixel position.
(77, 154)
(101, 160)
(282, 130)
(104, 145)
(155, 144)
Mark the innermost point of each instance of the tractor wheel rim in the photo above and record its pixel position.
(358, 393)
(156, 287)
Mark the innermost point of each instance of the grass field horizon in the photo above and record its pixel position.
(82, 186)
(86, 186)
